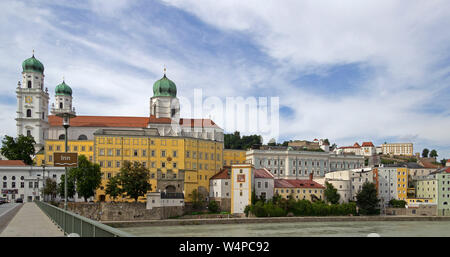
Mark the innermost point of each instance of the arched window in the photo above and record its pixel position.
(43, 115)
(28, 112)
(22, 178)
(82, 137)
(13, 178)
(60, 105)
(28, 133)
(4, 177)
(62, 136)
(29, 84)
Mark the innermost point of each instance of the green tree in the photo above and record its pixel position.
(70, 185)
(397, 203)
(20, 148)
(88, 177)
(134, 179)
(196, 199)
(326, 141)
(425, 153)
(235, 141)
(213, 207)
(433, 153)
(367, 200)
(444, 162)
(331, 193)
(50, 188)
(113, 187)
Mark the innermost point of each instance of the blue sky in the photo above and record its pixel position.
(344, 70)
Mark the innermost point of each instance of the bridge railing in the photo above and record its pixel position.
(70, 223)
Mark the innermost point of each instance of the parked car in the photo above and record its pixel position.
(3, 200)
(19, 200)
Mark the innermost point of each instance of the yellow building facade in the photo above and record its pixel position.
(298, 189)
(232, 156)
(184, 163)
(402, 183)
(82, 147)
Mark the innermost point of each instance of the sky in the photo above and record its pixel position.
(349, 71)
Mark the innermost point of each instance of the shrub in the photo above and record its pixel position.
(213, 207)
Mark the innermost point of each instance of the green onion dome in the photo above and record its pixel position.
(164, 87)
(63, 89)
(32, 64)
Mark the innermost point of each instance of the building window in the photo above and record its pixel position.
(82, 137)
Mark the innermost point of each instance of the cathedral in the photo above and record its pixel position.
(33, 106)
(180, 153)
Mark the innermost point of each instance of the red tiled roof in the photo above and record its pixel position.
(103, 121)
(356, 145)
(429, 165)
(367, 144)
(12, 163)
(448, 160)
(297, 183)
(223, 174)
(263, 173)
(124, 121)
(349, 147)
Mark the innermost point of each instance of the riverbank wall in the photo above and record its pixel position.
(176, 222)
(110, 211)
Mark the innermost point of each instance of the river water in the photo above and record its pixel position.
(301, 229)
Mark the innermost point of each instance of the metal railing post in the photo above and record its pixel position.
(61, 218)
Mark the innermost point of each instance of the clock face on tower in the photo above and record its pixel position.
(28, 99)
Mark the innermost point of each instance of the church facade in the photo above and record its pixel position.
(182, 154)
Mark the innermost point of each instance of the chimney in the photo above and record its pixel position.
(311, 176)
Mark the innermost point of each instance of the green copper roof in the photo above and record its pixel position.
(63, 89)
(164, 87)
(32, 64)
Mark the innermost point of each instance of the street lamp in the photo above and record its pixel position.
(43, 179)
(66, 112)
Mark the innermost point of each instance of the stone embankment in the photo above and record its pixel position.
(175, 222)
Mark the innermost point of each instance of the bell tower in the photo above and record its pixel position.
(32, 102)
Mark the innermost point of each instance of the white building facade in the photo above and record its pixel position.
(242, 179)
(290, 164)
(387, 184)
(26, 182)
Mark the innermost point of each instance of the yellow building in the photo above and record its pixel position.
(232, 156)
(176, 164)
(416, 201)
(298, 189)
(402, 183)
(82, 147)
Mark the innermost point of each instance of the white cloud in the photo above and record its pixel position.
(111, 66)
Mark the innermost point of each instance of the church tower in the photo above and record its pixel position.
(32, 102)
(164, 103)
